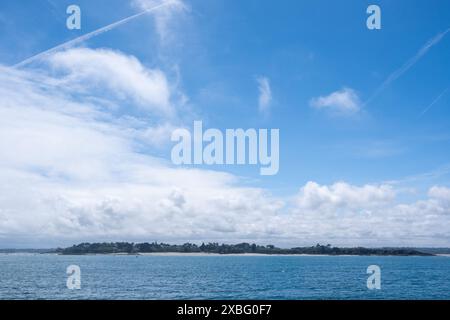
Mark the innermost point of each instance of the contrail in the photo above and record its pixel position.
(88, 36)
(434, 102)
(411, 62)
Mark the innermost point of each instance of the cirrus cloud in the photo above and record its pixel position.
(265, 94)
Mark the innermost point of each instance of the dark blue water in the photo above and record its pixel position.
(26, 276)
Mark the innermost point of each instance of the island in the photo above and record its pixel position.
(241, 248)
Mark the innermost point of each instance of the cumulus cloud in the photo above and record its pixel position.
(265, 94)
(439, 192)
(371, 214)
(345, 101)
(343, 196)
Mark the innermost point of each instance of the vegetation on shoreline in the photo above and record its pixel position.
(241, 248)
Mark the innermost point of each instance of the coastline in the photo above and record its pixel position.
(205, 254)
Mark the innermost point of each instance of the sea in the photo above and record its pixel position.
(44, 276)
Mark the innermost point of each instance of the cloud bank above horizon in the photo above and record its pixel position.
(73, 170)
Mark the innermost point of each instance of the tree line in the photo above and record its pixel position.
(240, 248)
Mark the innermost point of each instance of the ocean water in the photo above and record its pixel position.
(43, 276)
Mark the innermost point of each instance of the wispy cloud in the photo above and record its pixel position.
(432, 175)
(369, 148)
(345, 101)
(121, 75)
(265, 94)
(92, 34)
(434, 102)
(410, 63)
(163, 17)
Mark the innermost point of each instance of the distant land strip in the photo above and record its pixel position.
(241, 248)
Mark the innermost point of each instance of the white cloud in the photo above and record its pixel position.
(158, 135)
(440, 193)
(370, 214)
(265, 94)
(123, 76)
(164, 17)
(342, 196)
(345, 101)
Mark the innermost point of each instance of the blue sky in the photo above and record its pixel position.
(212, 54)
(306, 49)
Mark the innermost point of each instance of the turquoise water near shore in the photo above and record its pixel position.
(43, 276)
